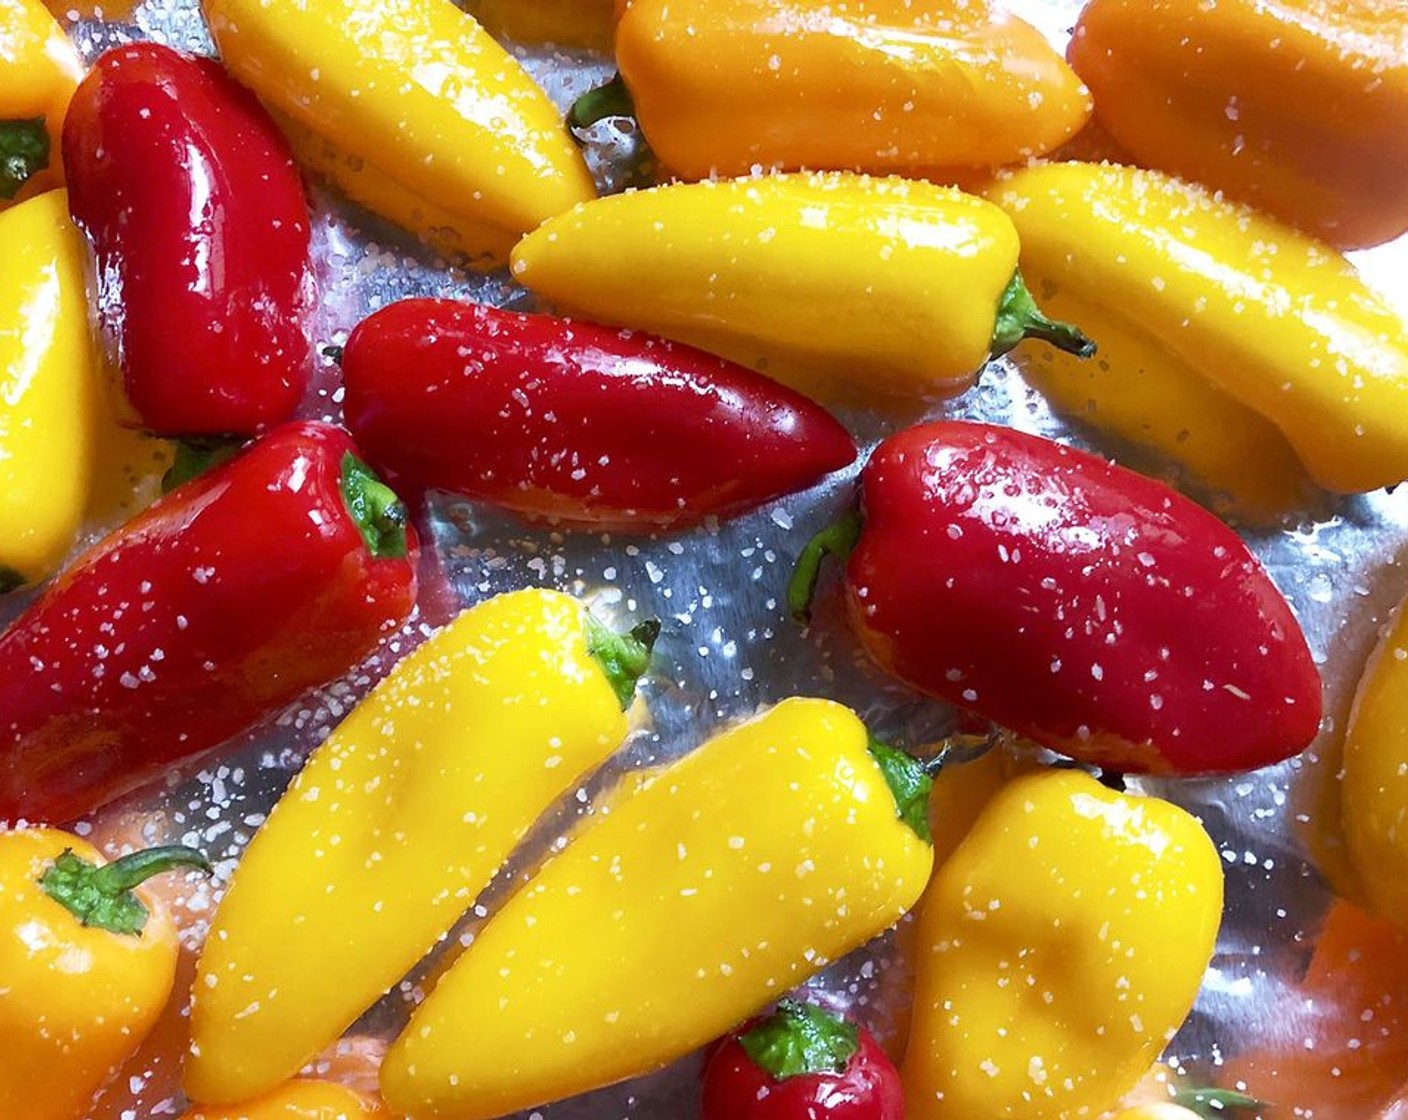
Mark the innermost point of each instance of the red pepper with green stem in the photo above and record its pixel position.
(232, 595)
(800, 1063)
(1079, 604)
(200, 232)
(573, 422)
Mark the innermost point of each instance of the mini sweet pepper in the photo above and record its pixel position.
(397, 823)
(48, 396)
(88, 962)
(269, 575)
(1374, 797)
(1279, 323)
(414, 111)
(1052, 592)
(1299, 107)
(712, 886)
(564, 23)
(839, 285)
(725, 86)
(573, 422)
(39, 70)
(1057, 951)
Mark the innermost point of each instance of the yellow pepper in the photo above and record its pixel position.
(1193, 287)
(564, 23)
(1057, 951)
(1299, 107)
(39, 70)
(297, 1100)
(1374, 797)
(1160, 1110)
(839, 285)
(48, 394)
(396, 824)
(413, 110)
(86, 966)
(723, 86)
(711, 886)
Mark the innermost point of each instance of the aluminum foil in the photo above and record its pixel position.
(729, 648)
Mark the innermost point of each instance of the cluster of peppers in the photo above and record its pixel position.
(1036, 586)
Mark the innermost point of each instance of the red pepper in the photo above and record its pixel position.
(1077, 603)
(273, 573)
(801, 1063)
(200, 229)
(575, 422)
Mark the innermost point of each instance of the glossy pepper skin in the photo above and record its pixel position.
(304, 1099)
(711, 886)
(394, 827)
(39, 70)
(414, 111)
(838, 285)
(574, 422)
(200, 230)
(800, 1063)
(1374, 797)
(48, 397)
(82, 985)
(1099, 915)
(564, 23)
(214, 608)
(884, 86)
(1299, 107)
(1281, 324)
(1054, 593)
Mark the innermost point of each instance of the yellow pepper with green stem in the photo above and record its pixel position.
(396, 824)
(413, 110)
(703, 890)
(842, 286)
(1058, 949)
(39, 70)
(48, 388)
(887, 86)
(1220, 313)
(86, 965)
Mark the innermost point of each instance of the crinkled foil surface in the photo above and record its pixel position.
(729, 648)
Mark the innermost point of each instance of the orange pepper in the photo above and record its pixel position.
(721, 86)
(1299, 107)
(1340, 1049)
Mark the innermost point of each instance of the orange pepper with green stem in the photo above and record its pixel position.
(725, 86)
(39, 70)
(1299, 107)
(87, 965)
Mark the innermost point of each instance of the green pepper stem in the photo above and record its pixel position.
(799, 1039)
(610, 100)
(102, 896)
(624, 658)
(837, 539)
(380, 515)
(10, 580)
(196, 456)
(1213, 1103)
(1019, 317)
(24, 151)
(909, 783)
(960, 749)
